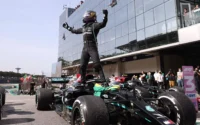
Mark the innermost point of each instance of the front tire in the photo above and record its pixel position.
(179, 107)
(43, 99)
(89, 110)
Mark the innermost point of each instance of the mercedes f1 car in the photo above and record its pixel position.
(146, 90)
(96, 103)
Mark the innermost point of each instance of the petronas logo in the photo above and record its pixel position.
(64, 36)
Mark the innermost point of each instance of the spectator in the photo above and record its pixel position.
(180, 78)
(32, 86)
(156, 77)
(160, 80)
(198, 68)
(43, 84)
(150, 79)
(171, 77)
(112, 78)
(134, 77)
(197, 80)
(185, 11)
(143, 77)
(196, 7)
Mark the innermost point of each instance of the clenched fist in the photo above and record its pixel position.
(105, 12)
(65, 25)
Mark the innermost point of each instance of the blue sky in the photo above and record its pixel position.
(29, 34)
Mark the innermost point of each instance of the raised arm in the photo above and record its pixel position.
(75, 31)
(105, 20)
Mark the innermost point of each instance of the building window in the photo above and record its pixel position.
(149, 18)
(140, 35)
(172, 25)
(170, 9)
(140, 22)
(139, 7)
(132, 27)
(159, 13)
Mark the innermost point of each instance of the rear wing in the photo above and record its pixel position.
(59, 80)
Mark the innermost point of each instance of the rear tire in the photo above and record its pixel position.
(180, 108)
(43, 99)
(177, 89)
(90, 110)
(3, 92)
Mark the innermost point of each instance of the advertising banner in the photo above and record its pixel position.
(189, 84)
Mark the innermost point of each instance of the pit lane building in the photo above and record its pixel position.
(141, 35)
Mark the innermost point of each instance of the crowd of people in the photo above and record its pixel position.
(191, 16)
(168, 80)
(162, 80)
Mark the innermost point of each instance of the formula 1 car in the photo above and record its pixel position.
(96, 103)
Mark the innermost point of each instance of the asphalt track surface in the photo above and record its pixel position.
(20, 110)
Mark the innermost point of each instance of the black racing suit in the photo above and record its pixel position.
(90, 32)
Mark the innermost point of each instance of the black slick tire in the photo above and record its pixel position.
(43, 99)
(3, 92)
(181, 109)
(177, 89)
(91, 110)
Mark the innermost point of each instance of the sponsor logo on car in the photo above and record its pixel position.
(149, 108)
(169, 122)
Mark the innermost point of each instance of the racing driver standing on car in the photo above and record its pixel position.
(90, 30)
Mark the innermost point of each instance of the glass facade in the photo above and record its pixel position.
(132, 25)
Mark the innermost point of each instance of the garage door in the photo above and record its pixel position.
(150, 64)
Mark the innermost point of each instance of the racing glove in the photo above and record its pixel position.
(105, 12)
(65, 25)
